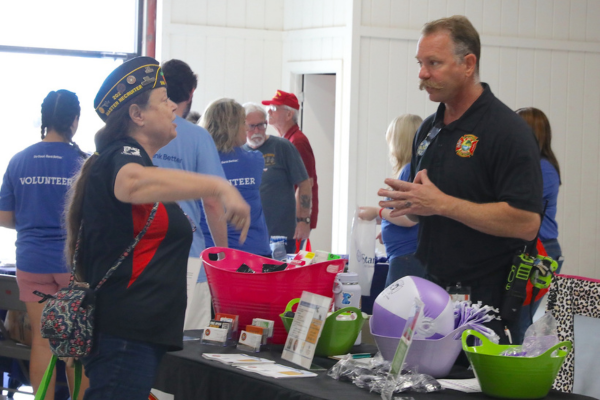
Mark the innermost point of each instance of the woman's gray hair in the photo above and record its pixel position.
(251, 107)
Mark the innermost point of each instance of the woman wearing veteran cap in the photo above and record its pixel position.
(140, 308)
(31, 201)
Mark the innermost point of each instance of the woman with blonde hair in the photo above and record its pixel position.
(225, 120)
(398, 234)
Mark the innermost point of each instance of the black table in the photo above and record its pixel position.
(188, 375)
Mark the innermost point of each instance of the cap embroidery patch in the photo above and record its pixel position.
(131, 151)
(465, 147)
(282, 98)
(128, 80)
(148, 80)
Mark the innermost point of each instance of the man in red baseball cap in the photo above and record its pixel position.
(283, 110)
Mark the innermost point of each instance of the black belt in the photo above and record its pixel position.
(467, 282)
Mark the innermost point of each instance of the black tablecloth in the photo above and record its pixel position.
(188, 375)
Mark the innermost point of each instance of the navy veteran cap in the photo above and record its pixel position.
(128, 80)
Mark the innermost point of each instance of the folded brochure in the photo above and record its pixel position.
(277, 371)
(236, 359)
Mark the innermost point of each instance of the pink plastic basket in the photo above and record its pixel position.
(263, 295)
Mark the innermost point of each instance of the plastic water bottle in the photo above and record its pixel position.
(347, 293)
(278, 251)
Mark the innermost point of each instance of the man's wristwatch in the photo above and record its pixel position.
(306, 219)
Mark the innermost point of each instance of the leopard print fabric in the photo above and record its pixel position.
(570, 296)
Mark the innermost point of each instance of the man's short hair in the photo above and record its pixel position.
(295, 115)
(181, 80)
(251, 107)
(463, 35)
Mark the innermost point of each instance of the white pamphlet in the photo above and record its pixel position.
(306, 329)
(236, 359)
(462, 385)
(277, 371)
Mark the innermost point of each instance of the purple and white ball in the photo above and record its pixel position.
(393, 307)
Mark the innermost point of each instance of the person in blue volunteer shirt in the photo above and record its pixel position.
(398, 234)
(32, 199)
(193, 150)
(225, 120)
(540, 125)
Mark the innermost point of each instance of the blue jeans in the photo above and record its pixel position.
(402, 266)
(121, 368)
(527, 312)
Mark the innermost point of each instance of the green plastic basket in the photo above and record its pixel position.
(509, 377)
(337, 337)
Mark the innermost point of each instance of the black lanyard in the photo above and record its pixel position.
(424, 145)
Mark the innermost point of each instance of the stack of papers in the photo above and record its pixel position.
(277, 371)
(236, 359)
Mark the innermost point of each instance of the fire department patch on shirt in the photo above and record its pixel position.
(465, 147)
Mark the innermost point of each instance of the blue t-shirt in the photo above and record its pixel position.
(192, 150)
(399, 240)
(244, 170)
(549, 229)
(34, 188)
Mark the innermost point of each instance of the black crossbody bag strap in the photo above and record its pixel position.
(127, 251)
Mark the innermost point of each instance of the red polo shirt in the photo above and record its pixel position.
(300, 141)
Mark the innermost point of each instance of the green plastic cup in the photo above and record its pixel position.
(508, 377)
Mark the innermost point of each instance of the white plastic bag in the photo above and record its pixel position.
(362, 252)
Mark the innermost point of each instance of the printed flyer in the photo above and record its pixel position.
(306, 329)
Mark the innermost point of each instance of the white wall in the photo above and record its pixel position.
(310, 14)
(235, 46)
(541, 53)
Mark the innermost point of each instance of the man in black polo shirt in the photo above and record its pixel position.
(477, 187)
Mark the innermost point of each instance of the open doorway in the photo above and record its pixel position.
(318, 124)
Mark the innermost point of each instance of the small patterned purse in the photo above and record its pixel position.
(68, 316)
